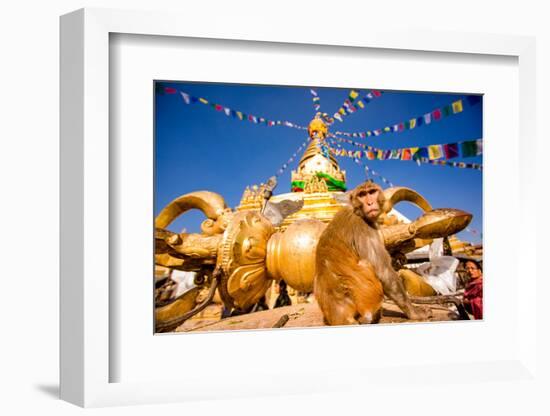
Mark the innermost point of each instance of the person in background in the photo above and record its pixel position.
(283, 299)
(473, 294)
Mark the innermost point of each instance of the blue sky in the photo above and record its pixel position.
(199, 148)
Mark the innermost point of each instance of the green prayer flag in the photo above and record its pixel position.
(468, 149)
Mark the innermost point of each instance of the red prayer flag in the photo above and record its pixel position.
(218, 107)
(451, 150)
(437, 114)
(169, 90)
(377, 93)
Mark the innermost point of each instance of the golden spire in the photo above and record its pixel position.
(315, 158)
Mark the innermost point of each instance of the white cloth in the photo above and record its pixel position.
(439, 273)
(185, 281)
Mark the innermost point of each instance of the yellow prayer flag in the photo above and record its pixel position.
(412, 123)
(413, 150)
(435, 152)
(360, 104)
(342, 111)
(202, 100)
(380, 154)
(457, 106)
(353, 94)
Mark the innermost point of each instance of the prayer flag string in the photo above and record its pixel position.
(316, 99)
(229, 112)
(467, 148)
(368, 171)
(353, 103)
(453, 108)
(290, 160)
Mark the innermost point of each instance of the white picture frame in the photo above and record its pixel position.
(86, 356)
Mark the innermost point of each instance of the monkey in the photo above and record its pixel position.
(353, 269)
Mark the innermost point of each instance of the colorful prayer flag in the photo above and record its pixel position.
(451, 150)
(421, 152)
(428, 118)
(185, 97)
(435, 152)
(457, 106)
(468, 148)
(395, 154)
(479, 145)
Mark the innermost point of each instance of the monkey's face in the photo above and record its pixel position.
(367, 201)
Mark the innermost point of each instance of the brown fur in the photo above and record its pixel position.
(353, 268)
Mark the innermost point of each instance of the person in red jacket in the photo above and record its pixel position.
(473, 295)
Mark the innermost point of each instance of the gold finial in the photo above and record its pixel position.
(317, 128)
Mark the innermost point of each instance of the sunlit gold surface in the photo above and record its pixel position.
(433, 224)
(291, 254)
(321, 206)
(242, 256)
(399, 193)
(317, 128)
(180, 306)
(212, 204)
(414, 284)
(441, 222)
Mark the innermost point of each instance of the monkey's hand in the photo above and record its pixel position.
(420, 313)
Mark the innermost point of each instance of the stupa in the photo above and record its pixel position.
(318, 181)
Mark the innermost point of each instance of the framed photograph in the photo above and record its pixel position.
(267, 136)
(261, 252)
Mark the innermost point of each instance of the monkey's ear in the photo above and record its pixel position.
(344, 198)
